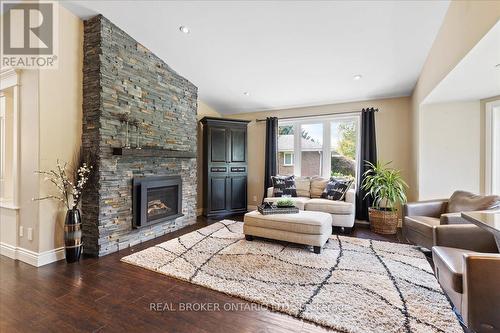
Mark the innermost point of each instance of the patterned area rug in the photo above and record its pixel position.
(354, 285)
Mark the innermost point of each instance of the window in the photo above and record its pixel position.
(311, 149)
(324, 146)
(286, 149)
(343, 147)
(287, 159)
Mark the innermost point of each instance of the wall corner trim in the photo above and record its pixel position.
(32, 258)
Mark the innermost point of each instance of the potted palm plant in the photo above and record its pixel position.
(387, 188)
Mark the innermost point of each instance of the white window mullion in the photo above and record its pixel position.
(326, 149)
(297, 148)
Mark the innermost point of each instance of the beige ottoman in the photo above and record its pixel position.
(306, 227)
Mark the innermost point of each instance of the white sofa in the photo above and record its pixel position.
(342, 212)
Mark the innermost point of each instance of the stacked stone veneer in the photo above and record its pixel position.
(123, 78)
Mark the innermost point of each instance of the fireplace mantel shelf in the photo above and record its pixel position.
(153, 152)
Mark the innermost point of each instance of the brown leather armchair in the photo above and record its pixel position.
(467, 265)
(419, 218)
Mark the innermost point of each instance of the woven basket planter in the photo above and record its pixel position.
(383, 222)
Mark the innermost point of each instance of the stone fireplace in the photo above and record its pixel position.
(139, 131)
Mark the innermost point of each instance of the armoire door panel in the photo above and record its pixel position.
(218, 193)
(238, 192)
(218, 144)
(238, 145)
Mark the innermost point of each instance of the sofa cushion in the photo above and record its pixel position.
(462, 201)
(314, 223)
(336, 188)
(330, 206)
(303, 185)
(448, 262)
(284, 185)
(318, 184)
(299, 202)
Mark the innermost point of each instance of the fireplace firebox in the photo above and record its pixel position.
(156, 199)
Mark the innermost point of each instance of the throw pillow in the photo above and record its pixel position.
(284, 185)
(462, 201)
(336, 188)
(303, 185)
(318, 185)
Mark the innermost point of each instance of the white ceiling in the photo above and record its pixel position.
(284, 53)
(476, 76)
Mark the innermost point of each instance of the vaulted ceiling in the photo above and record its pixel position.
(257, 55)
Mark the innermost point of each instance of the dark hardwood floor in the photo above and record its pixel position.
(106, 295)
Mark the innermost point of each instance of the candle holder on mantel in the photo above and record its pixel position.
(135, 123)
(125, 118)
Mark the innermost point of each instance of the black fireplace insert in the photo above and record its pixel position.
(156, 199)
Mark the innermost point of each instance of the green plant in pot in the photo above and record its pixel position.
(387, 189)
(285, 202)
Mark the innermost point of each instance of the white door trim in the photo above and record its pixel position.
(491, 152)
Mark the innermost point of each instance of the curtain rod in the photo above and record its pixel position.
(316, 115)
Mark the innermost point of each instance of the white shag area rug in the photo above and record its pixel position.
(354, 285)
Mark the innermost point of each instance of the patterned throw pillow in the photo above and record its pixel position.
(284, 185)
(336, 188)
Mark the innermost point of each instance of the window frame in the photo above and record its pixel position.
(10, 79)
(2, 139)
(491, 152)
(326, 148)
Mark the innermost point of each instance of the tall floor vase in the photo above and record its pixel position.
(73, 235)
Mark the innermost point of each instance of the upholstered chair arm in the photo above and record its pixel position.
(453, 218)
(431, 208)
(270, 192)
(481, 292)
(464, 236)
(350, 196)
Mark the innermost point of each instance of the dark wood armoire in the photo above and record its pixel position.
(225, 166)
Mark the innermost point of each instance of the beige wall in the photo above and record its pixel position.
(60, 122)
(29, 157)
(465, 23)
(204, 110)
(392, 125)
(50, 129)
(450, 157)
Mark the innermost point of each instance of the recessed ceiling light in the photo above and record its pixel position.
(246, 93)
(357, 77)
(184, 29)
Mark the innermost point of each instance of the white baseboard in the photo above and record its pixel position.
(36, 259)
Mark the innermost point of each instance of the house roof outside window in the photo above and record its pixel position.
(285, 144)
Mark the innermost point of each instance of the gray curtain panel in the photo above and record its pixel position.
(271, 166)
(368, 154)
